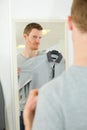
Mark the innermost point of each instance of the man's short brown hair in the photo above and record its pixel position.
(31, 26)
(79, 14)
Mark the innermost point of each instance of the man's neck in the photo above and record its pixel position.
(29, 53)
(80, 51)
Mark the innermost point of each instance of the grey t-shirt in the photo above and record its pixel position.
(39, 70)
(62, 103)
(21, 59)
(36, 72)
(24, 80)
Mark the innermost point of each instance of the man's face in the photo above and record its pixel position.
(33, 39)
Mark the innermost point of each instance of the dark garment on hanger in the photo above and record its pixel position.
(2, 109)
(55, 57)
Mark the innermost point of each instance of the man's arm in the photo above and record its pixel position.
(49, 113)
(29, 109)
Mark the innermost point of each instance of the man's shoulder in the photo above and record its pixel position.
(19, 55)
(59, 83)
(20, 59)
(68, 81)
(41, 52)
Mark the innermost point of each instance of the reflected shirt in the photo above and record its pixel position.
(36, 72)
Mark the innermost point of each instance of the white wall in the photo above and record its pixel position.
(32, 9)
(21, 9)
(43, 9)
(7, 65)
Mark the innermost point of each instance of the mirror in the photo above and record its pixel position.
(54, 38)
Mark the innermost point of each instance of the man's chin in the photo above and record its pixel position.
(36, 48)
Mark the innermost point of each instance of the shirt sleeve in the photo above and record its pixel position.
(49, 113)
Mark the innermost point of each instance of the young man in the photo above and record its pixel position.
(62, 103)
(32, 36)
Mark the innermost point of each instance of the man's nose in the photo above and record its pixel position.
(38, 40)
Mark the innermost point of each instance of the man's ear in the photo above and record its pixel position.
(70, 25)
(24, 35)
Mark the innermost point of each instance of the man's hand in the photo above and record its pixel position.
(29, 109)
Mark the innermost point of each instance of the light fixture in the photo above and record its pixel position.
(20, 46)
(45, 31)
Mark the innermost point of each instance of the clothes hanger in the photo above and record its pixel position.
(54, 52)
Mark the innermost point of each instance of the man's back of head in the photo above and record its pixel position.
(79, 14)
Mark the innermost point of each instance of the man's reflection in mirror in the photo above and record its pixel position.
(35, 68)
(32, 37)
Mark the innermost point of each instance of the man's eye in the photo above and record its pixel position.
(40, 37)
(35, 37)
